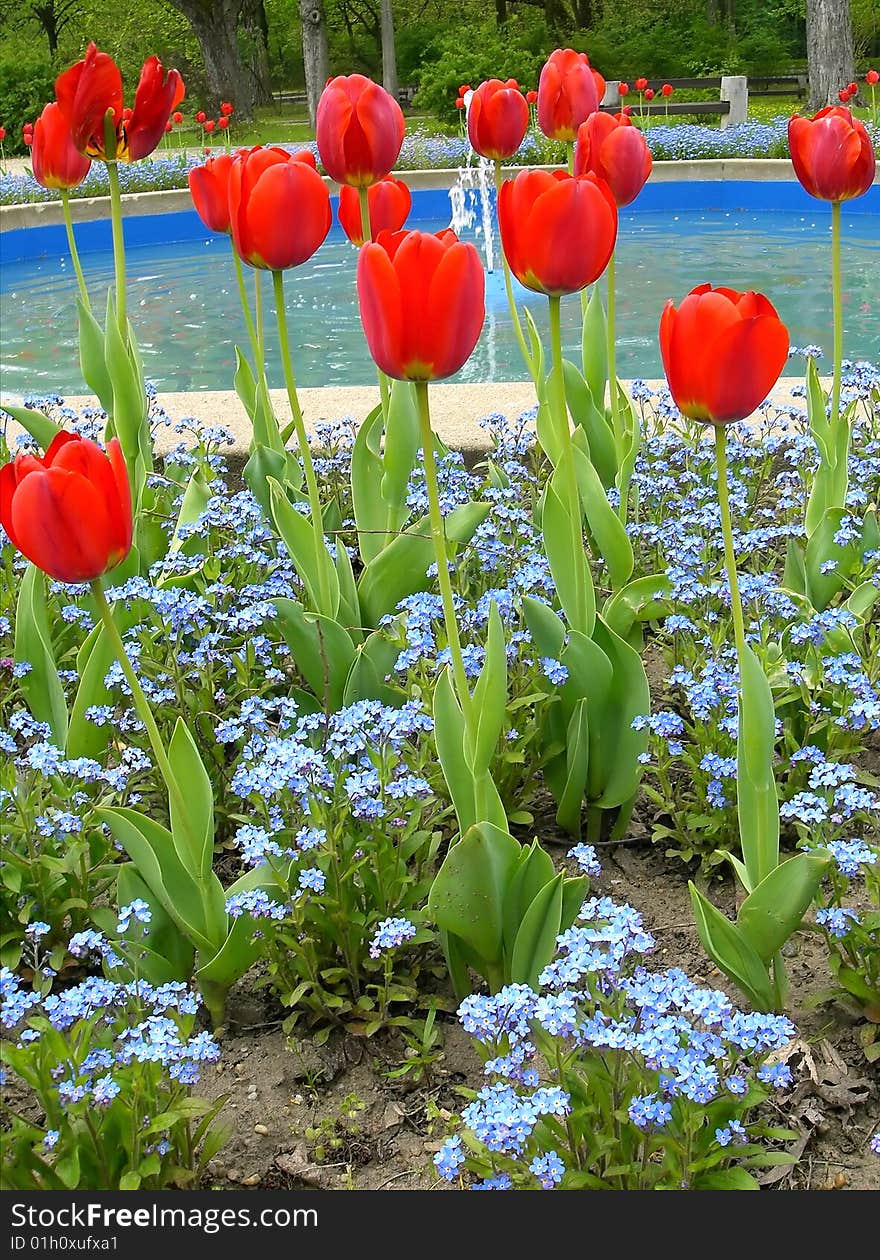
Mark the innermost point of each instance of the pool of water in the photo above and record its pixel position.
(186, 314)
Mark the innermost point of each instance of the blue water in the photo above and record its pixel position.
(184, 302)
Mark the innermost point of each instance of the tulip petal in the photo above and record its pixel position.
(8, 486)
(380, 308)
(61, 525)
(455, 309)
(746, 361)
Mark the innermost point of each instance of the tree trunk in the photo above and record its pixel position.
(500, 12)
(255, 28)
(215, 26)
(830, 56)
(316, 58)
(389, 51)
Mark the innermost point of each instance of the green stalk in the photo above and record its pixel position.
(837, 299)
(612, 361)
(118, 247)
(367, 233)
(74, 252)
(246, 309)
(258, 307)
(560, 410)
(438, 537)
(508, 282)
(302, 439)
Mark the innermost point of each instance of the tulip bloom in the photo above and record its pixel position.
(558, 231)
(498, 119)
(641, 84)
(279, 208)
(832, 154)
(666, 90)
(389, 202)
(69, 513)
(422, 302)
(722, 353)
(93, 86)
(209, 188)
(56, 161)
(201, 117)
(359, 128)
(616, 151)
(226, 108)
(567, 94)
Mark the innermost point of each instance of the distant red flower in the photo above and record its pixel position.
(201, 117)
(623, 89)
(649, 94)
(210, 125)
(872, 77)
(853, 89)
(667, 89)
(627, 111)
(843, 96)
(531, 96)
(459, 102)
(223, 122)
(177, 117)
(2, 134)
(169, 125)
(497, 119)
(465, 87)
(389, 204)
(641, 84)
(832, 154)
(226, 108)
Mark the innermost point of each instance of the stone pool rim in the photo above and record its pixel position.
(730, 171)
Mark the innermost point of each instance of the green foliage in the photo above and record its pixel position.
(26, 83)
(472, 53)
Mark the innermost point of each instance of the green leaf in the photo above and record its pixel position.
(731, 952)
(592, 429)
(40, 686)
(577, 766)
(564, 547)
(165, 954)
(534, 870)
(298, 535)
(536, 938)
(151, 847)
(490, 694)
(545, 627)
(68, 1168)
(727, 1179)
(92, 359)
(643, 599)
(467, 896)
(192, 807)
(322, 650)
(94, 659)
(372, 670)
(366, 475)
(402, 442)
(822, 588)
(615, 770)
(36, 423)
(238, 951)
(594, 347)
(756, 799)
(196, 498)
(773, 911)
(605, 526)
(256, 402)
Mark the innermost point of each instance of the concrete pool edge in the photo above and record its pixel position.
(87, 209)
(456, 410)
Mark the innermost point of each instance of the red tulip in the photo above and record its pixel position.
(69, 513)
(601, 85)
(623, 89)
(649, 94)
(223, 122)
(465, 87)
(853, 89)
(226, 108)
(722, 353)
(567, 94)
(201, 116)
(55, 160)
(667, 89)
(177, 117)
(422, 301)
(843, 95)
(497, 119)
(93, 86)
(626, 112)
(209, 187)
(872, 77)
(169, 126)
(832, 154)
(641, 84)
(2, 134)
(558, 231)
(210, 125)
(389, 202)
(279, 208)
(532, 96)
(616, 151)
(459, 102)
(359, 130)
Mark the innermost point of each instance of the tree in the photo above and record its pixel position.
(389, 52)
(830, 56)
(316, 59)
(53, 16)
(215, 24)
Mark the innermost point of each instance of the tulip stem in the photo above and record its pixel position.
(74, 252)
(612, 362)
(246, 309)
(837, 300)
(118, 247)
(321, 553)
(367, 234)
(560, 408)
(438, 537)
(508, 282)
(736, 609)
